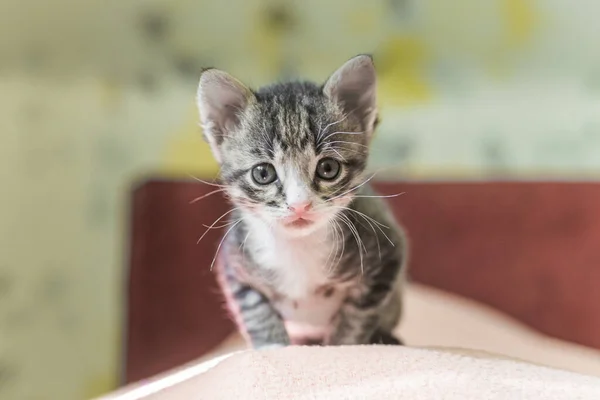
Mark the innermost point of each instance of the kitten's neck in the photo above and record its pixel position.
(294, 258)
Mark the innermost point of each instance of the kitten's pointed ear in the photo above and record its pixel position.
(354, 87)
(221, 99)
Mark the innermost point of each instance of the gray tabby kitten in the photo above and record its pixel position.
(312, 255)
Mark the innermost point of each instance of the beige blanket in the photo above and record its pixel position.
(431, 318)
(378, 372)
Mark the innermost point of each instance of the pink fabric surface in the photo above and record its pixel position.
(379, 372)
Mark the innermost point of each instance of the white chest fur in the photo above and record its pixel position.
(307, 296)
(300, 263)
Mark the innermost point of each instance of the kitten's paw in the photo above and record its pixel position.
(385, 338)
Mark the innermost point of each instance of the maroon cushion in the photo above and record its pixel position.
(174, 311)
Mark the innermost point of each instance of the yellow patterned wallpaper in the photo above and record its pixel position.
(187, 152)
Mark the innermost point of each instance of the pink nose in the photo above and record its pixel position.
(300, 208)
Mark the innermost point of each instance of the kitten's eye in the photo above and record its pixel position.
(263, 174)
(328, 169)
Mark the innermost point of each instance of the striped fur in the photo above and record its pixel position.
(338, 278)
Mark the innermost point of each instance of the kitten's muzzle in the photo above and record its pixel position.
(299, 214)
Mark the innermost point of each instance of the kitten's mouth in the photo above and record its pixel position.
(299, 223)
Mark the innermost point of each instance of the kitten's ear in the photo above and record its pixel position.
(354, 87)
(221, 99)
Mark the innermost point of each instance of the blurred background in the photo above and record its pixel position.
(97, 94)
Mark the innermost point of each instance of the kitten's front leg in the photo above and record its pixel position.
(354, 324)
(258, 318)
(371, 309)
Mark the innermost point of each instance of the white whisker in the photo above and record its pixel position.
(377, 224)
(214, 223)
(363, 215)
(360, 152)
(207, 183)
(354, 188)
(322, 131)
(356, 235)
(380, 197)
(339, 155)
(221, 243)
(221, 226)
(343, 238)
(243, 245)
(329, 266)
(197, 199)
(341, 133)
(376, 237)
(336, 191)
(349, 143)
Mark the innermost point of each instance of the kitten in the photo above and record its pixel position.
(311, 255)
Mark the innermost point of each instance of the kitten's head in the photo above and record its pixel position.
(292, 154)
